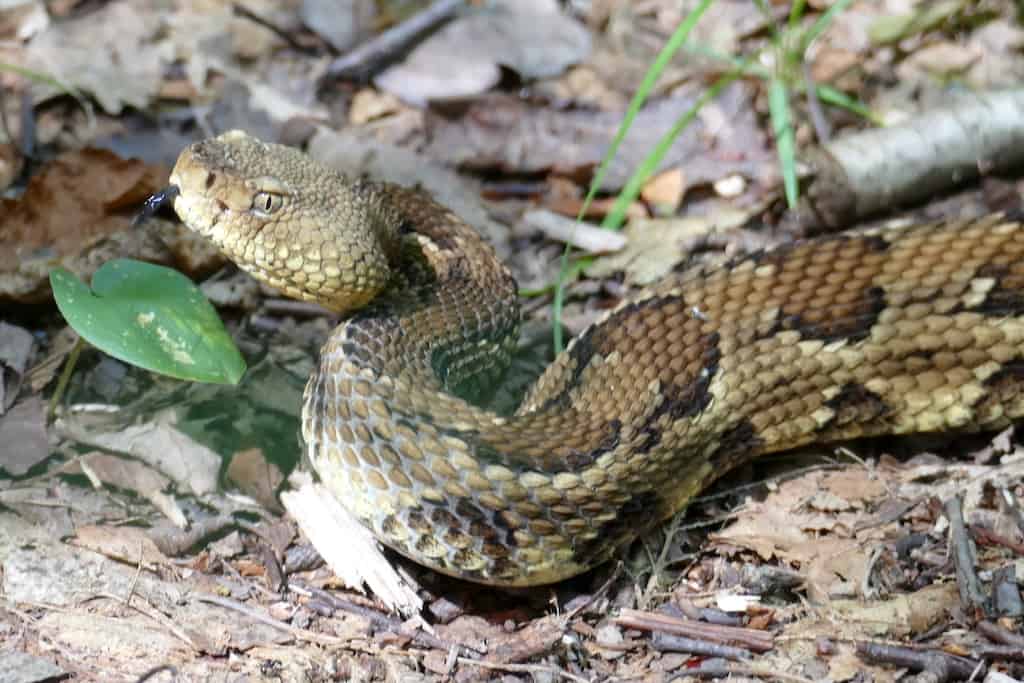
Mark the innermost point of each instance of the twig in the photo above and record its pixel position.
(598, 594)
(523, 668)
(890, 515)
(262, 618)
(785, 476)
(972, 596)
(174, 542)
(711, 670)
(822, 129)
(157, 616)
(373, 55)
(666, 642)
(588, 238)
(945, 667)
(752, 639)
(876, 170)
(998, 634)
(158, 670)
(243, 11)
(304, 309)
(384, 621)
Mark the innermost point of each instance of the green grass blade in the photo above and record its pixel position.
(838, 98)
(675, 42)
(647, 168)
(785, 140)
(822, 23)
(649, 165)
(796, 13)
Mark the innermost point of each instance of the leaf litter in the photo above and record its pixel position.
(111, 518)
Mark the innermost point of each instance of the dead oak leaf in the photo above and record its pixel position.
(126, 544)
(79, 195)
(116, 54)
(532, 37)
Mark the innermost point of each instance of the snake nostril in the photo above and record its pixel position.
(211, 178)
(221, 205)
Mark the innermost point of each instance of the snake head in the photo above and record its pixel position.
(292, 222)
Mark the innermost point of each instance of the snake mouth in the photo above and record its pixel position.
(154, 203)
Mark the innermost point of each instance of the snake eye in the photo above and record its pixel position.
(266, 203)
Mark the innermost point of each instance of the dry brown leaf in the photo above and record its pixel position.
(116, 53)
(23, 436)
(940, 60)
(192, 466)
(123, 473)
(655, 246)
(369, 104)
(665, 191)
(901, 615)
(256, 477)
(532, 37)
(506, 134)
(786, 526)
(76, 197)
(123, 543)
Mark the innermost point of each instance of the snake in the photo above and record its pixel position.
(880, 331)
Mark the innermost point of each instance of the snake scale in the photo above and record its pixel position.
(888, 331)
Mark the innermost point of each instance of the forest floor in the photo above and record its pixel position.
(141, 526)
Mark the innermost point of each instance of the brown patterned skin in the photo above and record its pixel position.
(882, 332)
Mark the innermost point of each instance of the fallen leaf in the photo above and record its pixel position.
(256, 477)
(939, 60)
(192, 466)
(506, 134)
(77, 196)
(655, 246)
(532, 37)
(369, 104)
(116, 53)
(123, 543)
(343, 25)
(16, 347)
(23, 436)
(665, 191)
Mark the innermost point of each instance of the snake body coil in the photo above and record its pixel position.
(882, 332)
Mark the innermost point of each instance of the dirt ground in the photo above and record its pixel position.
(142, 530)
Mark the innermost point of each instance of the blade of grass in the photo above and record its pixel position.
(675, 42)
(796, 13)
(616, 216)
(785, 142)
(838, 98)
(820, 24)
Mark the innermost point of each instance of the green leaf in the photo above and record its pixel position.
(785, 140)
(152, 317)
